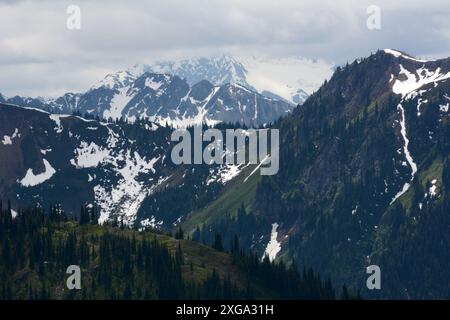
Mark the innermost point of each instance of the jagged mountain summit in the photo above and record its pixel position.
(187, 92)
(166, 100)
(274, 80)
(291, 79)
(169, 99)
(217, 70)
(248, 91)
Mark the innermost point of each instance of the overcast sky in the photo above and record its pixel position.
(40, 56)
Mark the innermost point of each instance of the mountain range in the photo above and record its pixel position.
(364, 171)
(186, 92)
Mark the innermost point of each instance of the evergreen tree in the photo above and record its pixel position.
(218, 245)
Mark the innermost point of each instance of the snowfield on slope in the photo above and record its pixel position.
(89, 156)
(31, 179)
(422, 76)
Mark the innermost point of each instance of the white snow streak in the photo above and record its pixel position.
(398, 54)
(273, 247)
(403, 131)
(409, 158)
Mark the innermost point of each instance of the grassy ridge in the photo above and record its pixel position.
(235, 193)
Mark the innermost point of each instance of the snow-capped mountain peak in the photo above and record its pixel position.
(116, 80)
(174, 92)
(291, 79)
(217, 70)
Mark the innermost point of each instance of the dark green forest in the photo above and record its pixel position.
(38, 245)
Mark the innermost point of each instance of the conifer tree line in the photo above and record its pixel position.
(38, 245)
(230, 225)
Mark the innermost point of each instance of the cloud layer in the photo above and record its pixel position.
(40, 56)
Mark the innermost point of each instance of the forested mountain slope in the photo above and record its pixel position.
(364, 178)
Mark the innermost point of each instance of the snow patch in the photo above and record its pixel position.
(178, 221)
(89, 156)
(127, 195)
(31, 180)
(416, 80)
(8, 140)
(57, 119)
(228, 172)
(154, 85)
(433, 189)
(273, 247)
(118, 103)
(150, 223)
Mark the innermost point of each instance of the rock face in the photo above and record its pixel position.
(68, 160)
(115, 167)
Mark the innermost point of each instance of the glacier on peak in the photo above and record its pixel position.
(292, 79)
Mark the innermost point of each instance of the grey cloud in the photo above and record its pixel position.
(41, 57)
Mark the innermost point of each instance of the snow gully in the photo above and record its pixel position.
(409, 158)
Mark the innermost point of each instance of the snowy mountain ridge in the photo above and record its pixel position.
(291, 79)
(251, 91)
